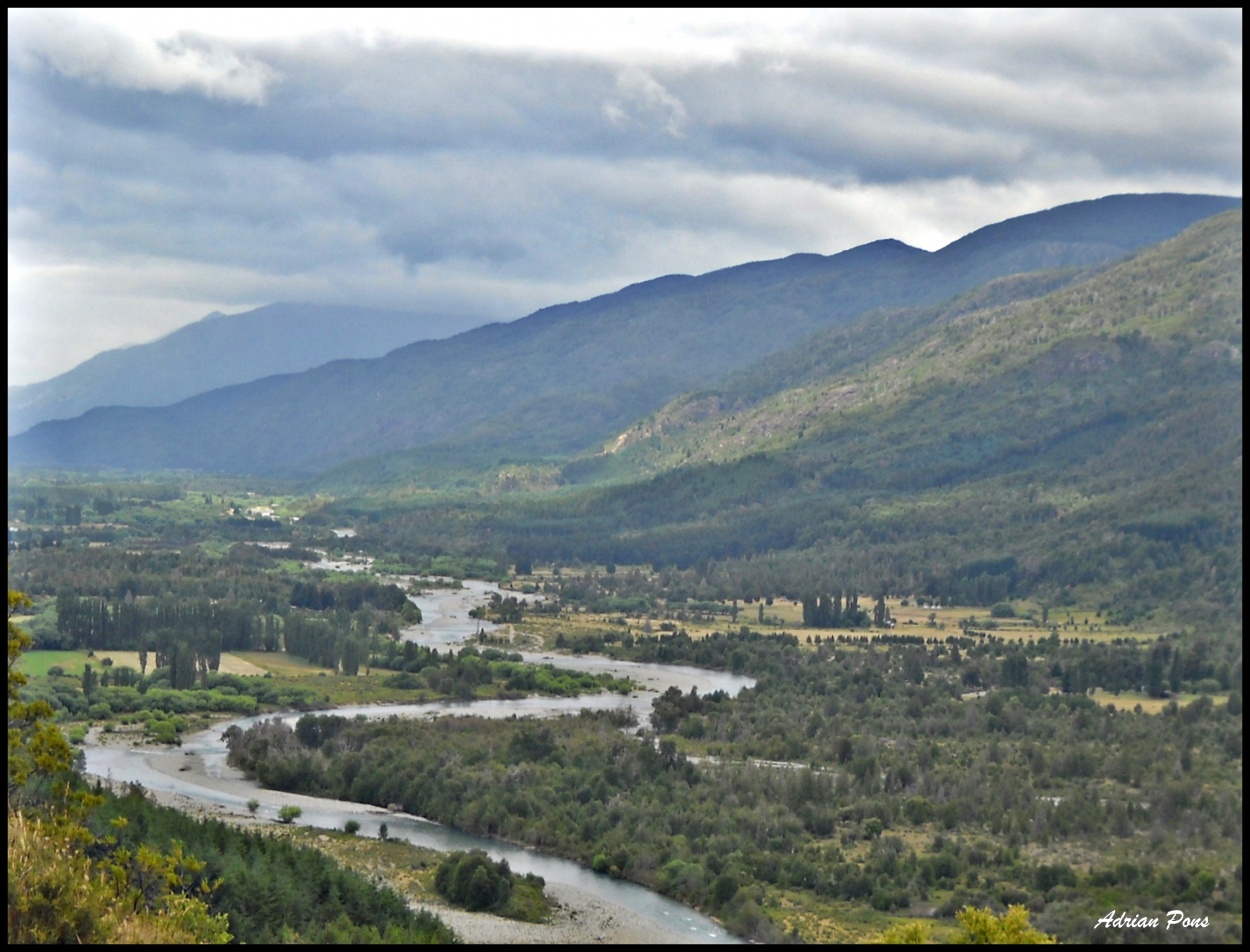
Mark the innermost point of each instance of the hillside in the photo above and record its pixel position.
(220, 350)
(1089, 437)
(895, 360)
(571, 375)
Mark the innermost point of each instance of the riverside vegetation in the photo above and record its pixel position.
(88, 866)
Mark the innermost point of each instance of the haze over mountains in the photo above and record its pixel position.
(575, 376)
(220, 350)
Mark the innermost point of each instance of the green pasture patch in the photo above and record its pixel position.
(1129, 700)
(36, 664)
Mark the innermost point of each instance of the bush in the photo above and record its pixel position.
(352, 827)
(163, 732)
(1002, 610)
(474, 881)
(289, 814)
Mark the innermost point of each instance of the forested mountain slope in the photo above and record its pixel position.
(568, 375)
(1087, 437)
(220, 350)
(1186, 292)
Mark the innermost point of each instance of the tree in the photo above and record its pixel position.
(982, 927)
(57, 891)
(37, 748)
(349, 661)
(89, 681)
(1154, 673)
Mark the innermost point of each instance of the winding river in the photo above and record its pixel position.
(198, 769)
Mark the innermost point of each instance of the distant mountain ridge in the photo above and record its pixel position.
(219, 350)
(573, 374)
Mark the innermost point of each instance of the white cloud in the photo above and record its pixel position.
(649, 99)
(97, 52)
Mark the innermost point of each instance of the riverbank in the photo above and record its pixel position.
(580, 918)
(196, 780)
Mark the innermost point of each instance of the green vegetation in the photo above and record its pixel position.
(269, 889)
(477, 883)
(977, 927)
(924, 775)
(88, 866)
(147, 636)
(58, 893)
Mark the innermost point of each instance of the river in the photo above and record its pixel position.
(198, 769)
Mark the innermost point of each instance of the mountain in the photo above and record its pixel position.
(219, 350)
(1014, 441)
(567, 376)
(1045, 333)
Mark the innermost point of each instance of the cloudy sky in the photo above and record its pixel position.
(163, 165)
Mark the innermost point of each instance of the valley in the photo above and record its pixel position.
(839, 595)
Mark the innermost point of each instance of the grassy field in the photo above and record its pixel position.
(1129, 700)
(910, 619)
(37, 663)
(280, 663)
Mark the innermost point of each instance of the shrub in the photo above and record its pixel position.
(352, 827)
(474, 881)
(163, 732)
(289, 813)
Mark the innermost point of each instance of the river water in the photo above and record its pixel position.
(198, 769)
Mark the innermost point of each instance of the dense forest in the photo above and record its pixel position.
(270, 890)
